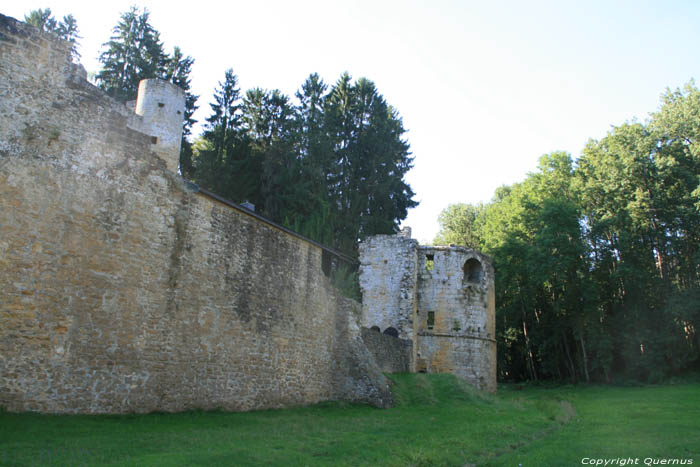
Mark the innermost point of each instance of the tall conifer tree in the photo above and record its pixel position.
(134, 52)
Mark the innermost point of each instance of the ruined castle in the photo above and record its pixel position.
(440, 300)
(126, 288)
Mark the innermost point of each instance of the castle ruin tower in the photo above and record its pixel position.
(442, 298)
(162, 107)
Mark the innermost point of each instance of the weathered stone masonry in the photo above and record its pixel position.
(441, 299)
(126, 290)
(393, 355)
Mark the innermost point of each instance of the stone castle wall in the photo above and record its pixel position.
(388, 274)
(125, 289)
(393, 355)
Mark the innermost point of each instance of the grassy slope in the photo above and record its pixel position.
(438, 420)
(615, 422)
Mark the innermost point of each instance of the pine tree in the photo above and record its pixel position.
(223, 145)
(331, 167)
(178, 68)
(134, 52)
(314, 216)
(42, 20)
(223, 126)
(371, 160)
(269, 122)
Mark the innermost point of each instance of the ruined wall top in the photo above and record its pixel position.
(405, 232)
(32, 58)
(394, 268)
(476, 267)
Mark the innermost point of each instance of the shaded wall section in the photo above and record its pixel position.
(392, 354)
(125, 290)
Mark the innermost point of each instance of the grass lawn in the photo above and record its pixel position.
(439, 420)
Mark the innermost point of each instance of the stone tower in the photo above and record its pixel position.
(161, 106)
(442, 298)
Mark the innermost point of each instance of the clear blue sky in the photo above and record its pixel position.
(484, 88)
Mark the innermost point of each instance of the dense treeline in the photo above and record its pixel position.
(330, 165)
(598, 259)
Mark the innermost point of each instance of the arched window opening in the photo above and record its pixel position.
(391, 332)
(473, 271)
(375, 328)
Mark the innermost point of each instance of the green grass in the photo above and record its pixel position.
(438, 420)
(650, 422)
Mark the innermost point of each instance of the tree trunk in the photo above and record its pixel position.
(585, 359)
(530, 359)
(572, 367)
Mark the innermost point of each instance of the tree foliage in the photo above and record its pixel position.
(135, 52)
(177, 71)
(66, 29)
(330, 165)
(598, 260)
(460, 224)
